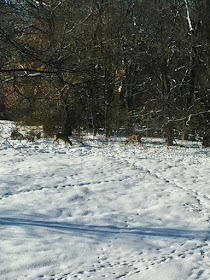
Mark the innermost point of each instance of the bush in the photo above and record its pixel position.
(30, 135)
(16, 135)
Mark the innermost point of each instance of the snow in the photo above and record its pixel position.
(98, 211)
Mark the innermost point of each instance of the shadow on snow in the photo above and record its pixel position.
(106, 231)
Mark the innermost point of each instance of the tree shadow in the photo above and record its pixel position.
(106, 231)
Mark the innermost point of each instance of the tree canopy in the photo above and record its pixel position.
(117, 65)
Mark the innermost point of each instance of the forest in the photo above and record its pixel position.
(132, 66)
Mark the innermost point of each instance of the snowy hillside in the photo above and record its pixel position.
(97, 211)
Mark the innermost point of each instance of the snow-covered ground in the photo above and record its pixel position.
(102, 211)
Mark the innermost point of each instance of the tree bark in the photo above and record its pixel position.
(169, 134)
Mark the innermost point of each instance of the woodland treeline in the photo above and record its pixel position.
(117, 65)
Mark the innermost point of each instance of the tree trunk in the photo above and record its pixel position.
(169, 134)
(206, 140)
(69, 121)
(185, 134)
